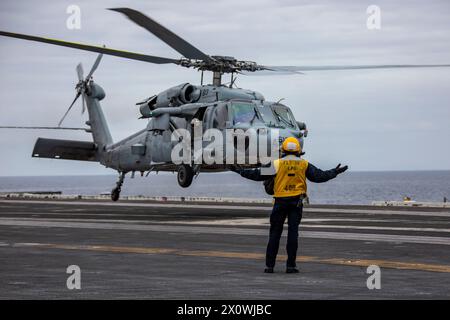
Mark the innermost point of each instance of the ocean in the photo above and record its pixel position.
(349, 188)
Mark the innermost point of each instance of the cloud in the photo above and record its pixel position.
(359, 117)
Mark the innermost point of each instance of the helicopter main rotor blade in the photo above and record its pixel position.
(270, 71)
(70, 107)
(104, 50)
(174, 41)
(285, 69)
(42, 128)
(94, 66)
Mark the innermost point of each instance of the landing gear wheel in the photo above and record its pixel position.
(185, 175)
(115, 194)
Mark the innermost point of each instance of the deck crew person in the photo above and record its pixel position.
(289, 189)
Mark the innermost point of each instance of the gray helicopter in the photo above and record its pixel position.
(185, 106)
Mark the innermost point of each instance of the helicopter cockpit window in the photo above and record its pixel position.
(268, 116)
(284, 116)
(244, 113)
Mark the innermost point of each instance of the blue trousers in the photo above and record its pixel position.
(284, 207)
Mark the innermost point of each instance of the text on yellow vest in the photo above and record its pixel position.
(290, 179)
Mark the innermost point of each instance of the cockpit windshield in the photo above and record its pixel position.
(284, 116)
(244, 113)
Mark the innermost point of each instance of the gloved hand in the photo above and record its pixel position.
(340, 169)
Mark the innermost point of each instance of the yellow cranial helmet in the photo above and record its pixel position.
(291, 144)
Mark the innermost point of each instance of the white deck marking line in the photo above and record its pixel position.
(382, 212)
(376, 228)
(232, 207)
(144, 205)
(262, 222)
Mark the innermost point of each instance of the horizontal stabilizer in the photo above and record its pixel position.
(65, 149)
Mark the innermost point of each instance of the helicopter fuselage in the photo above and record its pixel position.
(239, 111)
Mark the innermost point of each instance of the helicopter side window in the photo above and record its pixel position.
(244, 113)
(284, 116)
(220, 117)
(216, 116)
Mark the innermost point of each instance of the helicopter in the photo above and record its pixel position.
(183, 107)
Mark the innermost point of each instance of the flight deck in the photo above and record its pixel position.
(191, 250)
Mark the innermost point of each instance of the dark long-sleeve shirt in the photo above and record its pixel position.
(313, 174)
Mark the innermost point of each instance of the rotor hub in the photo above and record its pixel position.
(222, 64)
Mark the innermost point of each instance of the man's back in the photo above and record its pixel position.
(290, 178)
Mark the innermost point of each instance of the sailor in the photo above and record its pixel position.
(288, 180)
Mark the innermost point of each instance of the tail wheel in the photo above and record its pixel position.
(185, 175)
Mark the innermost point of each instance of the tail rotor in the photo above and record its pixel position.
(82, 86)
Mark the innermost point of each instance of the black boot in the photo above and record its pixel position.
(292, 270)
(268, 270)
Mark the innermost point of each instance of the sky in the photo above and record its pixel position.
(368, 119)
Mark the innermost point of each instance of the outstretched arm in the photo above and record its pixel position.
(314, 174)
(252, 174)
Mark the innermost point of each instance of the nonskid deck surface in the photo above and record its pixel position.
(199, 251)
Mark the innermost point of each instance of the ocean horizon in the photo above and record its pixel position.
(354, 187)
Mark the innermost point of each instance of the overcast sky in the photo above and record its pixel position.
(369, 119)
